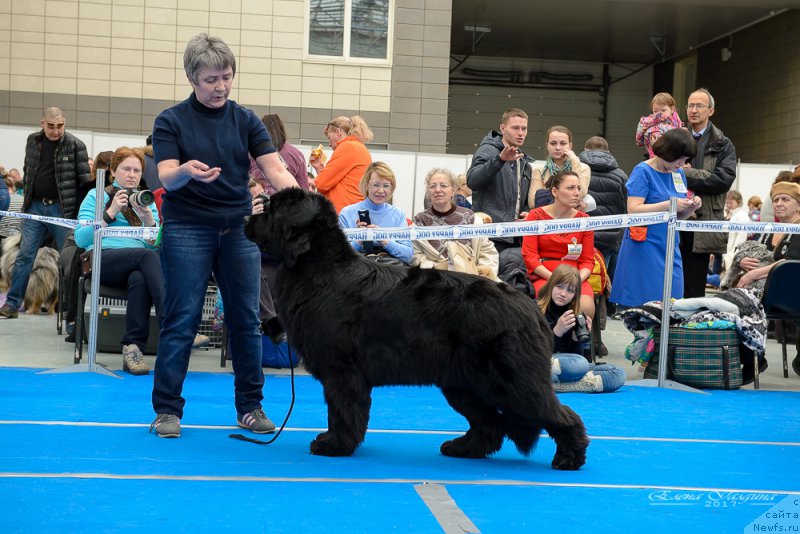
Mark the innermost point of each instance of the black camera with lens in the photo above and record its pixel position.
(264, 199)
(582, 331)
(141, 198)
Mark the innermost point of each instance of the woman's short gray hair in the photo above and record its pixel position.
(206, 52)
(439, 170)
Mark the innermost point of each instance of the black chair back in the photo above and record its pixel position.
(782, 291)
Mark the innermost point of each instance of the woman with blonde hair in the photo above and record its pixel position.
(378, 185)
(338, 179)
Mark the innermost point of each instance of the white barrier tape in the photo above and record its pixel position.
(133, 231)
(518, 228)
(138, 232)
(749, 227)
(69, 223)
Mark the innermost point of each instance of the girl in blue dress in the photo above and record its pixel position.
(640, 268)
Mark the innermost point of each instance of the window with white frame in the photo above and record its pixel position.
(349, 29)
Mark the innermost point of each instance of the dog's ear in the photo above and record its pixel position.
(295, 246)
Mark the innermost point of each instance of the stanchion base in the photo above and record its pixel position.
(82, 368)
(668, 384)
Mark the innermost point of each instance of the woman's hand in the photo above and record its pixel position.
(747, 279)
(565, 323)
(362, 224)
(748, 264)
(199, 171)
(316, 164)
(144, 213)
(118, 203)
(258, 206)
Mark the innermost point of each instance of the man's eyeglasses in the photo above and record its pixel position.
(698, 107)
(54, 125)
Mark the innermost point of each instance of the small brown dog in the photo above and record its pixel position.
(43, 283)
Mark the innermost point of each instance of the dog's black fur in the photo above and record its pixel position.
(360, 325)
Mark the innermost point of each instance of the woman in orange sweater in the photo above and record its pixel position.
(339, 179)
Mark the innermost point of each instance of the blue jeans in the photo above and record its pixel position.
(33, 233)
(189, 254)
(572, 367)
(5, 199)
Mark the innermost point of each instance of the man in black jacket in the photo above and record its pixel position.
(710, 176)
(500, 176)
(609, 191)
(56, 164)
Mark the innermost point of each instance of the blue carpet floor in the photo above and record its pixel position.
(76, 456)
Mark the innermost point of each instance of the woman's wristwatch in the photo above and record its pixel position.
(108, 218)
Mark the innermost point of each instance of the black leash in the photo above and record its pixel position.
(286, 419)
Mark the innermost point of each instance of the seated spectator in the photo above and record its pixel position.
(754, 208)
(607, 187)
(10, 225)
(270, 325)
(560, 158)
(463, 196)
(378, 185)
(100, 162)
(735, 213)
(767, 214)
(785, 198)
(558, 300)
(338, 179)
(543, 253)
(5, 194)
(441, 186)
(126, 261)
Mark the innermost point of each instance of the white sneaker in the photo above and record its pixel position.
(200, 341)
(133, 361)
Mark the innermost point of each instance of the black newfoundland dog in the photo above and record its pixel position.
(360, 325)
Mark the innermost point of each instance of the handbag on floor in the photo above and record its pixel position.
(701, 358)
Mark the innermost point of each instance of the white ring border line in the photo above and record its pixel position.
(332, 480)
(410, 432)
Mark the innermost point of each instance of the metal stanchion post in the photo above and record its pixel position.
(91, 365)
(663, 353)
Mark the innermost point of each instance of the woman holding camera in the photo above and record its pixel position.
(560, 302)
(129, 262)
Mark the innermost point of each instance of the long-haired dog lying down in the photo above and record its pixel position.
(359, 325)
(43, 282)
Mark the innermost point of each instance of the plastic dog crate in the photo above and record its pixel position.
(111, 324)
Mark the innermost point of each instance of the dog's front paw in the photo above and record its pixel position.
(568, 462)
(325, 445)
(459, 448)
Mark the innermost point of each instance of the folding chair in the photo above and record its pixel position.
(782, 301)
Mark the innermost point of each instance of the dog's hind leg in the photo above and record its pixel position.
(485, 434)
(568, 432)
(349, 400)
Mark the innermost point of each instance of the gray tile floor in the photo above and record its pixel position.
(32, 341)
